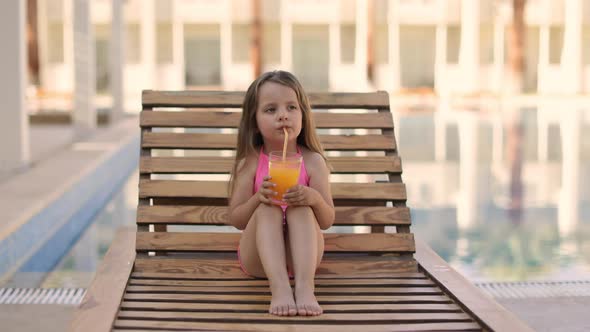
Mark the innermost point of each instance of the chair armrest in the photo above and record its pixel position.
(100, 305)
(475, 302)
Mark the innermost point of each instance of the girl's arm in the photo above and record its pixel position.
(318, 195)
(242, 203)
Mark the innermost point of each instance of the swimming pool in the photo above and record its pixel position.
(458, 194)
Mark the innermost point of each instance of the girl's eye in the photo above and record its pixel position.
(292, 107)
(269, 110)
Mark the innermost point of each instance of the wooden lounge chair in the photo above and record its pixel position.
(160, 279)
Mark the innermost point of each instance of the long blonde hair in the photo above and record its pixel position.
(250, 139)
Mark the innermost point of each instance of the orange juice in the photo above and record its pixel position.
(284, 172)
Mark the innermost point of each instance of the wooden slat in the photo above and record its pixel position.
(255, 298)
(218, 215)
(142, 325)
(100, 304)
(263, 308)
(218, 189)
(228, 268)
(221, 165)
(369, 318)
(210, 119)
(319, 283)
(336, 291)
(482, 307)
(160, 140)
(334, 242)
(234, 99)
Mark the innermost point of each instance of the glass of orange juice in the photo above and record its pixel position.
(284, 172)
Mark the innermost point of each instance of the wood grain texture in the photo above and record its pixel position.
(99, 307)
(218, 215)
(255, 298)
(213, 141)
(487, 312)
(234, 99)
(218, 189)
(223, 165)
(319, 283)
(142, 325)
(369, 318)
(224, 119)
(263, 308)
(337, 291)
(334, 242)
(212, 267)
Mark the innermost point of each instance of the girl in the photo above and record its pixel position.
(279, 240)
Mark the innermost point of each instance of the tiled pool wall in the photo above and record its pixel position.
(61, 222)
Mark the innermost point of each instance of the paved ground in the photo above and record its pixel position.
(35, 317)
(552, 314)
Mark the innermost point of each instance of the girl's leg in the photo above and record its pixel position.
(262, 252)
(306, 243)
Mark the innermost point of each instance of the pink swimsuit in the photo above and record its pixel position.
(261, 172)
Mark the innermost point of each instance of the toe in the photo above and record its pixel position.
(301, 310)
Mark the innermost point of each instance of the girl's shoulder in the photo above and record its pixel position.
(312, 158)
(248, 164)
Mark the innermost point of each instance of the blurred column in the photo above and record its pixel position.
(570, 171)
(440, 55)
(360, 55)
(335, 43)
(14, 122)
(84, 113)
(117, 60)
(286, 38)
(544, 42)
(499, 41)
(394, 44)
(571, 56)
(469, 52)
(467, 203)
(178, 46)
(226, 44)
(148, 44)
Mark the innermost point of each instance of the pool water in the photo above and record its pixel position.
(458, 191)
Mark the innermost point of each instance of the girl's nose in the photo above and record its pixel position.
(283, 115)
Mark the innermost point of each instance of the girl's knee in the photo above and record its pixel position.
(300, 212)
(268, 213)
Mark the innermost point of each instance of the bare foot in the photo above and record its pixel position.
(282, 303)
(307, 305)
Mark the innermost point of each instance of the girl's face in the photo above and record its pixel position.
(278, 108)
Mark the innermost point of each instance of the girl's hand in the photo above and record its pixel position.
(300, 196)
(266, 191)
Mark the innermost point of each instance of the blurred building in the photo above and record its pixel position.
(445, 46)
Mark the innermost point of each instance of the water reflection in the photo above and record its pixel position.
(501, 208)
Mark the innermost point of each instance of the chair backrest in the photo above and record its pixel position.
(187, 138)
